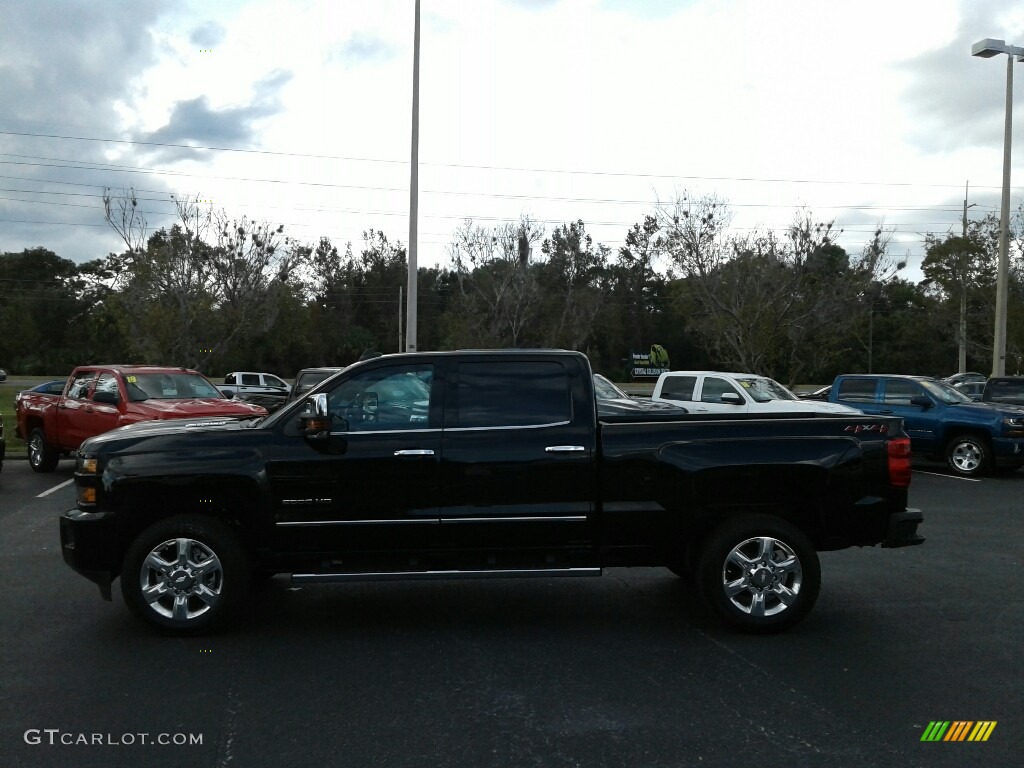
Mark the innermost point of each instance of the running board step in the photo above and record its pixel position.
(508, 573)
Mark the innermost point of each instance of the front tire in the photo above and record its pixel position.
(968, 455)
(759, 574)
(42, 456)
(185, 575)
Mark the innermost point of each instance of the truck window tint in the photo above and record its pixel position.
(392, 398)
(714, 388)
(79, 388)
(1006, 391)
(857, 390)
(273, 381)
(512, 394)
(678, 387)
(250, 380)
(899, 391)
(107, 382)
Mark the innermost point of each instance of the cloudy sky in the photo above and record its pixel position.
(299, 113)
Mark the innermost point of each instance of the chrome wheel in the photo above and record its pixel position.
(35, 450)
(762, 576)
(966, 457)
(181, 579)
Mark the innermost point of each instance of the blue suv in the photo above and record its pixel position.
(941, 421)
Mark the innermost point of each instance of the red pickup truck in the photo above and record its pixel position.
(98, 398)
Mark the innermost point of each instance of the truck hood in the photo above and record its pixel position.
(802, 406)
(196, 407)
(146, 429)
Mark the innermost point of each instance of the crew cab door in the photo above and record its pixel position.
(518, 455)
(72, 416)
(100, 415)
(920, 422)
(373, 483)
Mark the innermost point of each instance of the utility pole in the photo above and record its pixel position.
(962, 367)
(410, 314)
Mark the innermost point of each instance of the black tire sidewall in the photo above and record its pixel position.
(212, 533)
(717, 547)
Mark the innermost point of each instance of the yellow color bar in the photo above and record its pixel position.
(982, 730)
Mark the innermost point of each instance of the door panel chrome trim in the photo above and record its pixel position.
(518, 426)
(510, 573)
(515, 519)
(291, 523)
(565, 449)
(415, 452)
(383, 432)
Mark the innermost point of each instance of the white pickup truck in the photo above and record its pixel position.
(264, 389)
(717, 392)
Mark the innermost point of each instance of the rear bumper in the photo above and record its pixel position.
(902, 531)
(87, 543)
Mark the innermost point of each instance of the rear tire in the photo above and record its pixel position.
(42, 456)
(968, 455)
(185, 575)
(759, 574)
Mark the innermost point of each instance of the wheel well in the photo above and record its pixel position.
(953, 432)
(233, 505)
(806, 518)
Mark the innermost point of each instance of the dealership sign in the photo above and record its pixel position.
(649, 364)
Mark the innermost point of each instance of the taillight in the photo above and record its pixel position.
(899, 461)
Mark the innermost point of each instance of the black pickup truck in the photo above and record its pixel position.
(481, 464)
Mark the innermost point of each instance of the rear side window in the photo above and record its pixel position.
(678, 387)
(512, 394)
(857, 390)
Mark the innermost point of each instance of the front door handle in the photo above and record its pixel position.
(886, 412)
(415, 452)
(565, 449)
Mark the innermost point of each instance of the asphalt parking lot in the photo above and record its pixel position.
(625, 670)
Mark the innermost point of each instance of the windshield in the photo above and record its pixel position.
(763, 389)
(605, 390)
(944, 392)
(169, 386)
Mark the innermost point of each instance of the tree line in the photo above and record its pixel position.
(220, 294)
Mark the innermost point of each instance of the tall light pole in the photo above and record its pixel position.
(986, 49)
(410, 312)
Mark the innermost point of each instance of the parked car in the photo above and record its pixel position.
(1007, 390)
(98, 398)
(263, 389)
(3, 375)
(613, 402)
(958, 378)
(942, 422)
(973, 389)
(308, 378)
(510, 475)
(717, 392)
(821, 393)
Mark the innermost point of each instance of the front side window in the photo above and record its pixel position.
(714, 388)
(512, 394)
(392, 398)
(900, 391)
(273, 381)
(107, 382)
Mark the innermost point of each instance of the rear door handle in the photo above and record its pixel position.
(415, 452)
(565, 449)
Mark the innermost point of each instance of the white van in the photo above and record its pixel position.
(717, 392)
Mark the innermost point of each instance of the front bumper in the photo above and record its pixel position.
(1008, 451)
(902, 531)
(87, 542)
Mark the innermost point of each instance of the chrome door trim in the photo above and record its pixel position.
(518, 426)
(516, 519)
(565, 449)
(310, 523)
(415, 452)
(507, 573)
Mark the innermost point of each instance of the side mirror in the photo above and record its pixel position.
(731, 398)
(316, 421)
(229, 394)
(107, 398)
(921, 400)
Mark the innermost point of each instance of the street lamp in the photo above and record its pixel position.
(986, 49)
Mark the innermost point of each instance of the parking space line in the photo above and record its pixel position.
(936, 474)
(55, 488)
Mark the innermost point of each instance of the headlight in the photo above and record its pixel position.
(1013, 423)
(86, 465)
